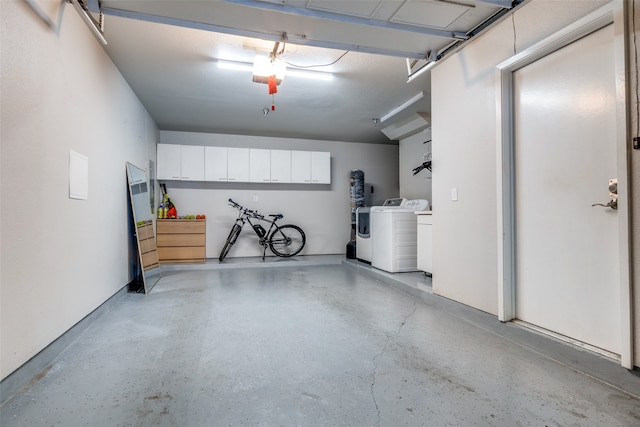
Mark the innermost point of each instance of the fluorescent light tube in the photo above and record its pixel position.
(233, 65)
(245, 66)
(308, 74)
(402, 106)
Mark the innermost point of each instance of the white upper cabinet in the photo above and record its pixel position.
(169, 161)
(280, 166)
(180, 162)
(215, 164)
(192, 163)
(320, 167)
(238, 164)
(301, 167)
(228, 164)
(259, 165)
(311, 167)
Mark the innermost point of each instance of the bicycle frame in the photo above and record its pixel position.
(245, 215)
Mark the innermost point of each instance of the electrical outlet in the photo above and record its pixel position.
(255, 198)
(454, 194)
(636, 143)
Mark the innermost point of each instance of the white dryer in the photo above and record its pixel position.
(394, 236)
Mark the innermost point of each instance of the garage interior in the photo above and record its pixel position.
(320, 338)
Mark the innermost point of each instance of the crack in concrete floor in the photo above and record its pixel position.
(382, 352)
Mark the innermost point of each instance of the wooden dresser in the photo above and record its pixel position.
(181, 240)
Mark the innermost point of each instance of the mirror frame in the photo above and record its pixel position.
(144, 227)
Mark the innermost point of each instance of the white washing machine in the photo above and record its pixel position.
(363, 234)
(394, 236)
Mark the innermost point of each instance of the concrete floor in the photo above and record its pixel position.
(314, 345)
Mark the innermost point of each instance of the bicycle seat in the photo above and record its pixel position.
(277, 216)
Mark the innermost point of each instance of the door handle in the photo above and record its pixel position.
(613, 195)
(613, 204)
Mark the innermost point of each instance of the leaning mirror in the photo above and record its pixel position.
(143, 221)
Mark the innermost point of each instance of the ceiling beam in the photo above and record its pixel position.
(506, 4)
(298, 11)
(257, 34)
(92, 5)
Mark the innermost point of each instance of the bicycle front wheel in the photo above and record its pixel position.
(233, 235)
(287, 240)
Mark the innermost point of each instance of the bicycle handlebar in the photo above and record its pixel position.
(247, 211)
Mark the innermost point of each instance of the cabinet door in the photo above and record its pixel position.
(425, 249)
(320, 167)
(192, 163)
(215, 164)
(169, 163)
(301, 167)
(280, 166)
(238, 164)
(259, 165)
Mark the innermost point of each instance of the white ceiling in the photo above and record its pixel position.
(168, 52)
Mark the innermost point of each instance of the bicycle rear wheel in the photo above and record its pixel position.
(287, 240)
(233, 235)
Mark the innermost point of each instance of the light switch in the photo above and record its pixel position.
(255, 198)
(454, 194)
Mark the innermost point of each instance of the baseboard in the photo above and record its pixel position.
(33, 368)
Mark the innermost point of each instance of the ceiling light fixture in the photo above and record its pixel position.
(402, 106)
(246, 66)
(264, 67)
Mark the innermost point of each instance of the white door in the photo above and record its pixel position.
(281, 166)
(259, 165)
(301, 167)
(320, 167)
(238, 164)
(215, 164)
(567, 272)
(192, 163)
(169, 161)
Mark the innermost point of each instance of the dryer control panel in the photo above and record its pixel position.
(394, 202)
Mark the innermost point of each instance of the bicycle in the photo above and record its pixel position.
(283, 240)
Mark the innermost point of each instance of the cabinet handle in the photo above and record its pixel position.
(222, 179)
(231, 179)
(185, 177)
(274, 180)
(176, 177)
(266, 180)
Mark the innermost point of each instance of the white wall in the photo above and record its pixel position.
(61, 258)
(464, 147)
(413, 152)
(634, 166)
(322, 211)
